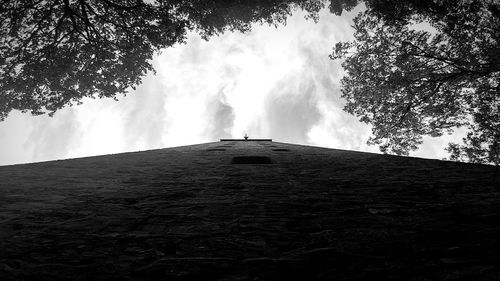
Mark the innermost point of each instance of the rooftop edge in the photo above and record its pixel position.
(246, 140)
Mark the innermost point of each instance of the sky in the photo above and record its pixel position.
(268, 83)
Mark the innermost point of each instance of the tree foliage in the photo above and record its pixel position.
(55, 52)
(408, 82)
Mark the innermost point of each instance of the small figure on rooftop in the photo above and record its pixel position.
(245, 137)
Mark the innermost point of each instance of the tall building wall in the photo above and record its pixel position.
(287, 212)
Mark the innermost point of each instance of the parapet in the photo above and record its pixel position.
(246, 140)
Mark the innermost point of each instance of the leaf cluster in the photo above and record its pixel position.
(56, 52)
(408, 83)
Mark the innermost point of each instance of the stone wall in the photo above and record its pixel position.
(311, 213)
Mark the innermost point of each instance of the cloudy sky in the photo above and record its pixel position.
(269, 83)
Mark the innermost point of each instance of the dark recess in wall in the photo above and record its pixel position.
(251, 160)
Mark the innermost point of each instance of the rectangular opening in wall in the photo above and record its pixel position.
(251, 160)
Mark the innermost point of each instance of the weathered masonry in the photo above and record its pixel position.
(249, 210)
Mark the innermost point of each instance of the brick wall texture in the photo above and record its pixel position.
(188, 213)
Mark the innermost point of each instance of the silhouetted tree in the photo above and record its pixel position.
(399, 11)
(55, 52)
(408, 83)
(213, 17)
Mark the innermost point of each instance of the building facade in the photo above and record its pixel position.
(249, 210)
